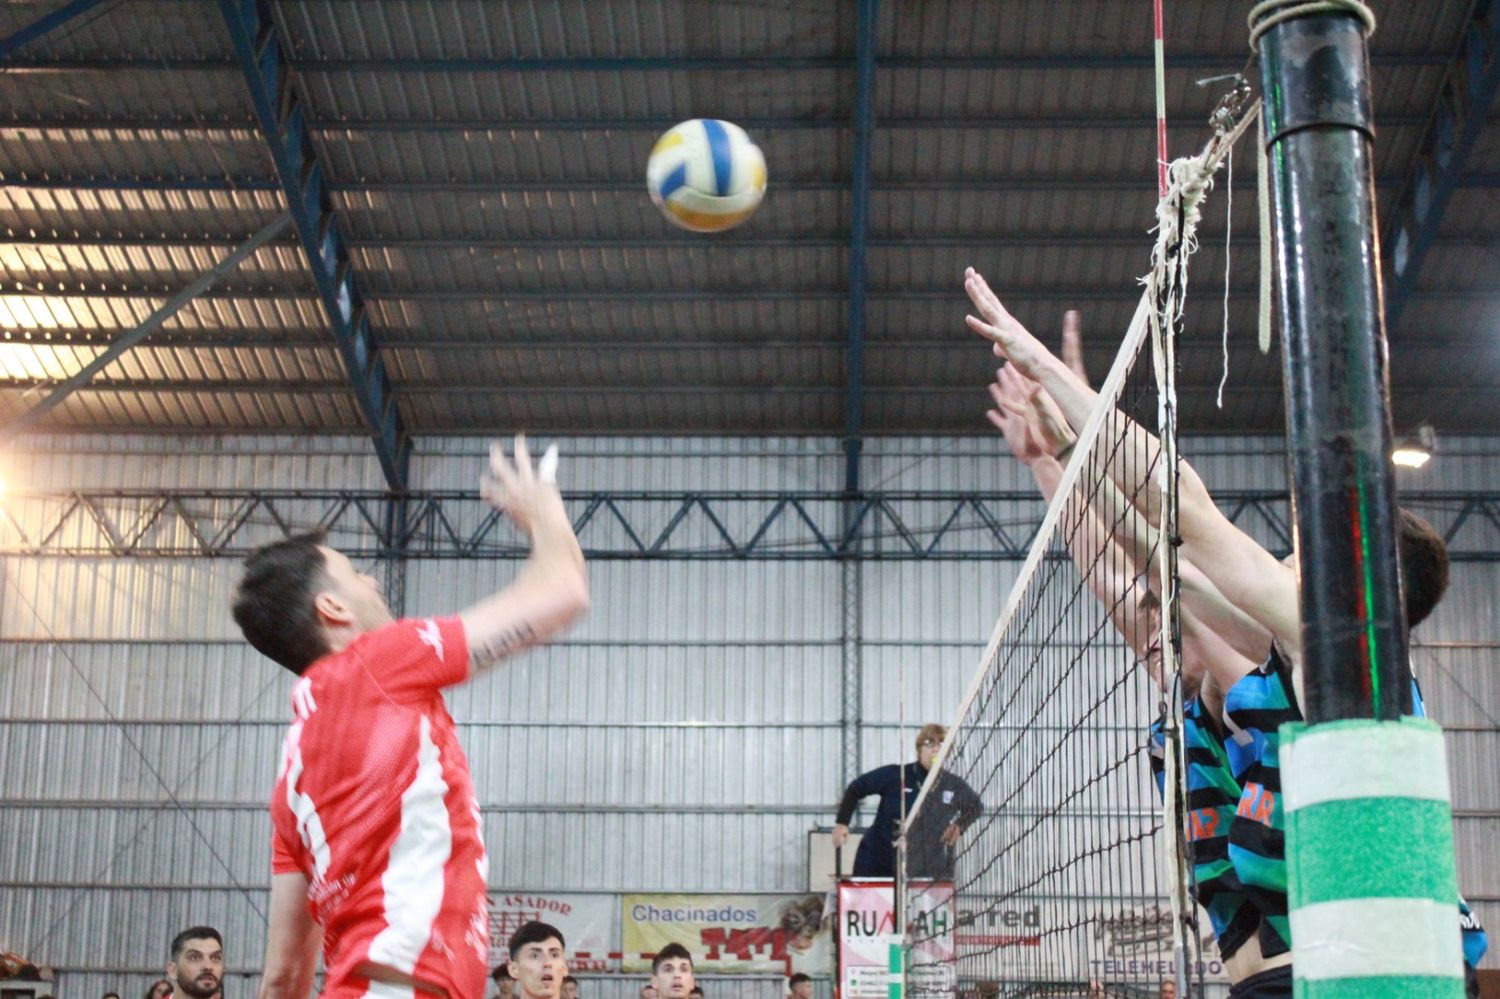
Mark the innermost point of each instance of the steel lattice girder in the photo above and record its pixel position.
(737, 526)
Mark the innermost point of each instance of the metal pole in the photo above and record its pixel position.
(1355, 756)
(1315, 75)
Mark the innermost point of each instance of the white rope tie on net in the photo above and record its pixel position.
(1266, 15)
(1177, 217)
(1263, 196)
(1228, 240)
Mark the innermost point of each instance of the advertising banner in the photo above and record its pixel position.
(932, 961)
(783, 934)
(587, 923)
(867, 927)
(1049, 939)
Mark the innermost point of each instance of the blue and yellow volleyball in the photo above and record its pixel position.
(706, 175)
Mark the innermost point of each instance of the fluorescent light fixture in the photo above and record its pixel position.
(1410, 457)
(1415, 450)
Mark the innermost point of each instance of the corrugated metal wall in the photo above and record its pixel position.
(686, 737)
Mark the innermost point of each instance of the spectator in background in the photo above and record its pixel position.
(1168, 989)
(672, 972)
(570, 987)
(648, 991)
(160, 989)
(799, 986)
(111, 995)
(197, 966)
(696, 992)
(537, 960)
(505, 985)
(952, 806)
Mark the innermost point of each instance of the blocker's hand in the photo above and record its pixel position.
(524, 495)
(1012, 340)
(1012, 415)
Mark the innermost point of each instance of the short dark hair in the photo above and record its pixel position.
(502, 973)
(569, 978)
(1424, 567)
(695, 990)
(273, 603)
(798, 979)
(533, 932)
(108, 994)
(194, 933)
(668, 952)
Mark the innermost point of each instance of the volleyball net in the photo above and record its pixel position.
(1073, 876)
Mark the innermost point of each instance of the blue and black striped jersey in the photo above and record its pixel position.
(1212, 795)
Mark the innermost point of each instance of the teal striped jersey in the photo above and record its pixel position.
(1256, 706)
(1212, 796)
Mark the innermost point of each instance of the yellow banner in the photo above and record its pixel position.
(780, 934)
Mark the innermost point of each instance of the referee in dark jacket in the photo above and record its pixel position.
(950, 807)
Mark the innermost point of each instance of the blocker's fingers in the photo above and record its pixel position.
(500, 470)
(985, 330)
(1072, 343)
(546, 469)
(523, 457)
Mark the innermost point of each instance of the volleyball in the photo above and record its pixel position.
(706, 175)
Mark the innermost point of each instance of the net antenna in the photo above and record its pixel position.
(1068, 875)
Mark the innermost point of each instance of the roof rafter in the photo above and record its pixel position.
(279, 109)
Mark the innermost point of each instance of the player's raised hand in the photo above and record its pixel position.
(1012, 340)
(1010, 417)
(1072, 344)
(1044, 419)
(524, 494)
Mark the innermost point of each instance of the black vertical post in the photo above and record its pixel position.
(1315, 77)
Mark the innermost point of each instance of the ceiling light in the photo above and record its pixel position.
(1415, 450)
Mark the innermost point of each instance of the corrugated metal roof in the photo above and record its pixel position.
(486, 160)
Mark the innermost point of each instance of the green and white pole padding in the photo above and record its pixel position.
(1372, 893)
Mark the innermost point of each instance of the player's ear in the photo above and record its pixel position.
(331, 609)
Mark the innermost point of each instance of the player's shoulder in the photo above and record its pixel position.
(416, 633)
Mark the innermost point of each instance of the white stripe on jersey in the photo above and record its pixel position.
(413, 879)
(387, 990)
(309, 825)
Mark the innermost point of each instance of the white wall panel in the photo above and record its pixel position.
(684, 737)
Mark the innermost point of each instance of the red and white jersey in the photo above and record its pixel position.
(375, 805)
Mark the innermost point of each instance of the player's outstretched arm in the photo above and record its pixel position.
(551, 591)
(1247, 575)
(292, 941)
(1037, 436)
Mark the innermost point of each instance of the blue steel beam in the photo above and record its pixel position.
(997, 184)
(652, 125)
(716, 64)
(1089, 295)
(1464, 101)
(859, 235)
(279, 109)
(36, 29)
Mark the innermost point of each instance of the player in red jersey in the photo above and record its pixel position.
(377, 852)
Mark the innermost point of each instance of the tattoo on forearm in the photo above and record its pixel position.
(507, 642)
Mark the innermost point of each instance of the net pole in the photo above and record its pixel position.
(1365, 792)
(1319, 135)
